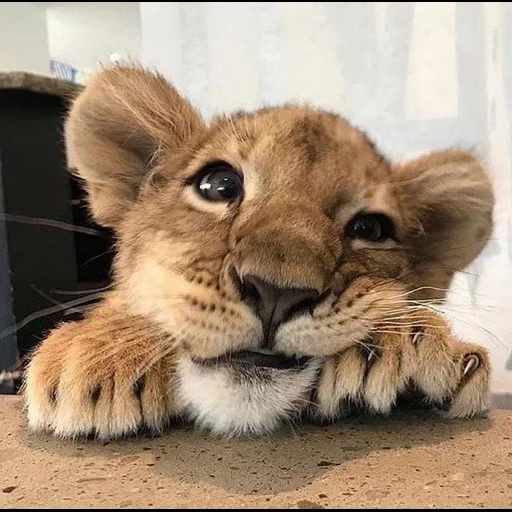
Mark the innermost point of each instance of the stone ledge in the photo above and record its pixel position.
(412, 460)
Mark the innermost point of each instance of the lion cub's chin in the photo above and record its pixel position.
(236, 398)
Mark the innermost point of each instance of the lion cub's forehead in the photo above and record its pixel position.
(291, 146)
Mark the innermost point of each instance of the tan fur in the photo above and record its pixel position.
(135, 141)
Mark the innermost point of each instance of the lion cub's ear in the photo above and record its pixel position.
(116, 129)
(448, 199)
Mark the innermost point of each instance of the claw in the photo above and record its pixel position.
(369, 350)
(371, 355)
(471, 363)
(417, 335)
(415, 338)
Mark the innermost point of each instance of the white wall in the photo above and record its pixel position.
(23, 38)
(85, 33)
(415, 75)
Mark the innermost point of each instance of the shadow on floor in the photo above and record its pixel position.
(286, 461)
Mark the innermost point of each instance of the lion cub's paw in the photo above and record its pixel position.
(80, 386)
(452, 375)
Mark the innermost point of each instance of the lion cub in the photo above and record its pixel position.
(269, 265)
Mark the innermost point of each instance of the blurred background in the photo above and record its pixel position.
(415, 75)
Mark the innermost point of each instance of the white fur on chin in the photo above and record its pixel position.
(226, 401)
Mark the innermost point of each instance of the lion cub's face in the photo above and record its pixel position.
(267, 241)
(280, 230)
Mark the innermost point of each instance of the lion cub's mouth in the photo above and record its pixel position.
(260, 358)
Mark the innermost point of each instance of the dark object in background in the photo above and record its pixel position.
(38, 187)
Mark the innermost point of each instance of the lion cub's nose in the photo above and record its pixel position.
(275, 305)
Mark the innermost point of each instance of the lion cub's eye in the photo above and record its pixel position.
(219, 183)
(374, 227)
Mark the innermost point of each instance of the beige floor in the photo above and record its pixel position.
(413, 460)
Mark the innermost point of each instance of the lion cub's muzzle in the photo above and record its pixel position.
(274, 306)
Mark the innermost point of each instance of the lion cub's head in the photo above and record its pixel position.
(269, 239)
